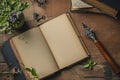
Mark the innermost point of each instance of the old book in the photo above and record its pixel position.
(109, 7)
(50, 47)
(113, 4)
(81, 6)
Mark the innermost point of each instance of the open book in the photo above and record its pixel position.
(50, 47)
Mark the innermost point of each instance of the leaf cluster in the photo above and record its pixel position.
(33, 72)
(90, 64)
(6, 8)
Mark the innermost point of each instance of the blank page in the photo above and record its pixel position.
(79, 4)
(63, 41)
(34, 52)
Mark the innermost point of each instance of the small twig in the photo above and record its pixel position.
(12, 71)
(2, 73)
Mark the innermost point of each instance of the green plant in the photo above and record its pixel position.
(31, 70)
(90, 64)
(11, 15)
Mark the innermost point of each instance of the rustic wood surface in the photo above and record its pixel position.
(106, 28)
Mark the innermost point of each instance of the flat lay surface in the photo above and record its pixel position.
(106, 28)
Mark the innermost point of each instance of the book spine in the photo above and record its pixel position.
(11, 60)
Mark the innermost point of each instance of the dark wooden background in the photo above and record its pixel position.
(106, 28)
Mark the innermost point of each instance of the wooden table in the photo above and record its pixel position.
(106, 28)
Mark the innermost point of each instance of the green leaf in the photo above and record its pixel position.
(24, 5)
(86, 65)
(12, 2)
(17, 6)
(89, 62)
(34, 72)
(28, 69)
(94, 63)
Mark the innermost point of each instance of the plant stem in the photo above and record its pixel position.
(6, 73)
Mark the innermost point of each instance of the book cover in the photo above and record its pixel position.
(11, 60)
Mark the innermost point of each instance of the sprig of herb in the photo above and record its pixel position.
(33, 72)
(19, 71)
(90, 64)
